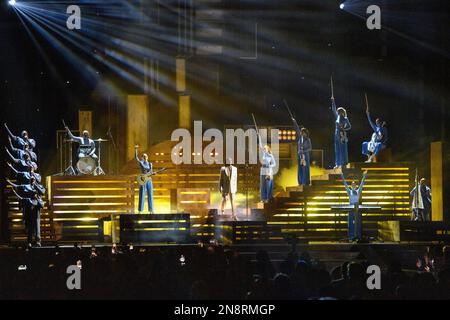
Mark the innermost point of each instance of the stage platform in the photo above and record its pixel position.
(101, 209)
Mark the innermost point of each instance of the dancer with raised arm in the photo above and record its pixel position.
(342, 125)
(24, 177)
(22, 165)
(266, 172)
(304, 148)
(379, 137)
(23, 140)
(354, 195)
(20, 153)
(146, 167)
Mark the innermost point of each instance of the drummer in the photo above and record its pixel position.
(87, 145)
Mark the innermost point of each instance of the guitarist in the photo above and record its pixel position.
(146, 167)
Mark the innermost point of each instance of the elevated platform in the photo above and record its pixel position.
(307, 213)
(80, 208)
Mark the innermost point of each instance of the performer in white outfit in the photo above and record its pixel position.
(228, 186)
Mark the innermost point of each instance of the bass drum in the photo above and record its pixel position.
(86, 165)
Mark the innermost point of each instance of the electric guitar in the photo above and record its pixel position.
(142, 179)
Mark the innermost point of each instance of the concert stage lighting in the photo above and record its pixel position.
(342, 6)
(12, 2)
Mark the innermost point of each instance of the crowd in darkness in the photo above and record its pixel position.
(208, 272)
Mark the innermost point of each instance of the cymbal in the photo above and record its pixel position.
(101, 140)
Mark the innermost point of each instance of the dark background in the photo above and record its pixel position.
(405, 73)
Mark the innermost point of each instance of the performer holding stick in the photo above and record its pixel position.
(24, 177)
(23, 140)
(340, 134)
(87, 145)
(146, 167)
(23, 165)
(20, 153)
(379, 137)
(304, 148)
(266, 173)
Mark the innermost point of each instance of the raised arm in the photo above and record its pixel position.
(333, 107)
(70, 134)
(16, 161)
(12, 168)
(260, 142)
(363, 180)
(136, 154)
(12, 184)
(372, 124)
(297, 128)
(10, 133)
(18, 196)
(345, 183)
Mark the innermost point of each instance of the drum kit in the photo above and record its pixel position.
(86, 164)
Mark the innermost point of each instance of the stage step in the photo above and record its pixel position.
(307, 213)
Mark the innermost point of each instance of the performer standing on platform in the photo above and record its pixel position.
(228, 186)
(354, 195)
(379, 137)
(146, 167)
(304, 148)
(87, 145)
(340, 134)
(31, 202)
(266, 173)
(421, 201)
(23, 140)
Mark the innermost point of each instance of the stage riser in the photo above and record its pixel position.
(414, 231)
(307, 213)
(155, 228)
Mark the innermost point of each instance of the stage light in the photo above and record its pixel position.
(12, 2)
(342, 6)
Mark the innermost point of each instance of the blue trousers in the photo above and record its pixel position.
(266, 188)
(341, 151)
(365, 148)
(354, 225)
(147, 188)
(303, 175)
